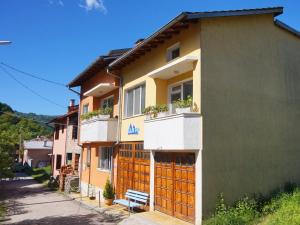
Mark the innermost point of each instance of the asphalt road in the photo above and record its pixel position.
(32, 204)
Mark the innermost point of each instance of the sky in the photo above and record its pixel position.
(58, 39)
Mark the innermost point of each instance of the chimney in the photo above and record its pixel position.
(139, 41)
(71, 105)
(72, 102)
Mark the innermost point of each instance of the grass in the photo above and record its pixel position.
(282, 209)
(2, 211)
(41, 175)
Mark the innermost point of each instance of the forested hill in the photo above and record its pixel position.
(28, 125)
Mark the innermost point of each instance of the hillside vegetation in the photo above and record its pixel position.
(13, 127)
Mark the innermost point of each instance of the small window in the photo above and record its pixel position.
(56, 132)
(58, 162)
(105, 158)
(69, 159)
(108, 102)
(180, 91)
(173, 52)
(85, 109)
(74, 132)
(135, 101)
(88, 156)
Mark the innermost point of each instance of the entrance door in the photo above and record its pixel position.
(175, 184)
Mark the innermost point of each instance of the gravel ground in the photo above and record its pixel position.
(30, 203)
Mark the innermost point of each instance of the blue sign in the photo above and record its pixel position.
(133, 130)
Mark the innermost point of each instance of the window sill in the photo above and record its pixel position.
(103, 170)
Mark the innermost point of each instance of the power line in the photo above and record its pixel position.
(32, 75)
(29, 89)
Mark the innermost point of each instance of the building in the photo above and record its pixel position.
(240, 68)
(66, 150)
(37, 152)
(98, 135)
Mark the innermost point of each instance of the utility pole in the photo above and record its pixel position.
(21, 150)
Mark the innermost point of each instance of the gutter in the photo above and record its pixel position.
(119, 118)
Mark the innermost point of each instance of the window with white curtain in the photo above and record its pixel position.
(135, 101)
(105, 158)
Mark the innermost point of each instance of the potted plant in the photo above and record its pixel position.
(183, 106)
(93, 194)
(105, 113)
(162, 110)
(148, 111)
(108, 193)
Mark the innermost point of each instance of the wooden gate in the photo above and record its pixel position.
(133, 168)
(175, 184)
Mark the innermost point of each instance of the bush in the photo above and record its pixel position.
(244, 212)
(108, 192)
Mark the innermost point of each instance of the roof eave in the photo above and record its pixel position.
(286, 27)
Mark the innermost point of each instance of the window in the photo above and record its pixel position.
(85, 109)
(105, 158)
(69, 159)
(135, 101)
(56, 132)
(62, 128)
(180, 91)
(88, 156)
(173, 52)
(108, 102)
(58, 162)
(74, 132)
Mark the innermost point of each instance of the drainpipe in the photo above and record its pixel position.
(119, 117)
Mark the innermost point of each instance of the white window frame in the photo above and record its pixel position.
(87, 106)
(169, 51)
(100, 149)
(105, 99)
(181, 90)
(133, 103)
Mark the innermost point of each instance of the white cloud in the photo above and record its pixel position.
(94, 4)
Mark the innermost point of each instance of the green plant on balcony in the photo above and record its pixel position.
(185, 103)
(101, 111)
(162, 108)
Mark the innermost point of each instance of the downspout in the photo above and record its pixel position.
(119, 118)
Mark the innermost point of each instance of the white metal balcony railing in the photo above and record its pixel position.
(98, 130)
(173, 132)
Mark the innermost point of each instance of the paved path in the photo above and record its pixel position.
(29, 203)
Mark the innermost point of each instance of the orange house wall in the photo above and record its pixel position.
(92, 174)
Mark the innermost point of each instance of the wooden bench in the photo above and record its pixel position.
(133, 199)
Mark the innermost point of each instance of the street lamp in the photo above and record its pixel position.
(5, 42)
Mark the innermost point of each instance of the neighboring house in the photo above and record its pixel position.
(66, 150)
(242, 69)
(37, 152)
(98, 135)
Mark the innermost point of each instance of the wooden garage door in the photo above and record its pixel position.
(133, 169)
(175, 184)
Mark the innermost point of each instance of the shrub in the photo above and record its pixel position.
(162, 108)
(108, 192)
(244, 212)
(101, 111)
(184, 103)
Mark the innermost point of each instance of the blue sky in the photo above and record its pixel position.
(57, 39)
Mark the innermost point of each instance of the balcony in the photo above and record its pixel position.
(174, 132)
(98, 130)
